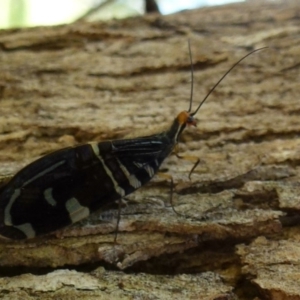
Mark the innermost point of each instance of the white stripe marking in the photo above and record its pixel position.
(76, 211)
(118, 189)
(149, 170)
(134, 182)
(49, 198)
(53, 167)
(177, 133)
(139, 165)
(17, 193)
(7, 215)
(27, 229)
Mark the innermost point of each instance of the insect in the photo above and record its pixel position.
(68, 185)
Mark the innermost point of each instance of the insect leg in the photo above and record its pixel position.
(118, 220)
(193, 159)
(169, 177)
(120, 203)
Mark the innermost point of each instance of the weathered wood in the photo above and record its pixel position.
(61, 86)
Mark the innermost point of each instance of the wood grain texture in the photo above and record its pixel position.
(66, 85)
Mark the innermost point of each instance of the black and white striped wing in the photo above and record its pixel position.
(66, 186)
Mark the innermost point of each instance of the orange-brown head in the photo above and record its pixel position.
(186, 118)
(181, 121)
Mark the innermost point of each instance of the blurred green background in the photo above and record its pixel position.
(24, 13)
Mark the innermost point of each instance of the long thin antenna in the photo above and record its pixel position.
(219, 81)
(192, 76)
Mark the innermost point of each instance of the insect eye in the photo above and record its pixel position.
(191, 121)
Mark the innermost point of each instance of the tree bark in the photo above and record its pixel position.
(238, 233)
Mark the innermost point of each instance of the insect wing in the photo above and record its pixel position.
(67, 185)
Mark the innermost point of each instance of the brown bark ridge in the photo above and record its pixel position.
(66, 85)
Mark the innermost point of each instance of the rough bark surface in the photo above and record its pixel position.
(67, 85)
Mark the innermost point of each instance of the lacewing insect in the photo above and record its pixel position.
(68, 185)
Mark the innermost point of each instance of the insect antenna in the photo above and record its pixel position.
(218, 82)
(199, 106)
(192, 76)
